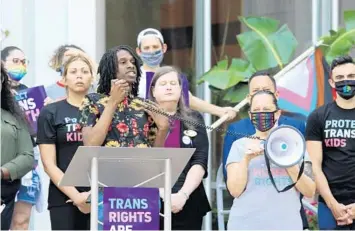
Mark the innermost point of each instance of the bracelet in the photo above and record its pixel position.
(185, 194)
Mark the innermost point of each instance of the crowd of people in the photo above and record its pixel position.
(96, 105)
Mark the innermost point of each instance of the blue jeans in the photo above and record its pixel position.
(326, 220)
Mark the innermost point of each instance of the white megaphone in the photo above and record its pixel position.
(285, 146)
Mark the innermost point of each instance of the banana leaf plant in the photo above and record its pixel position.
(340, 42)
(265, 45)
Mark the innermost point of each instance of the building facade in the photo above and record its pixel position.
(40, 26)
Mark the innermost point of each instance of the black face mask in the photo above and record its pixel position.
(345, 89)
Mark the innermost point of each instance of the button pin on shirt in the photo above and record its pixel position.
(186, 140)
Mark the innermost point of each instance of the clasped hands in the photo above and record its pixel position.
(344, 214)
(80, 201)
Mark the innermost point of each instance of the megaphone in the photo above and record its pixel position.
(285, 146)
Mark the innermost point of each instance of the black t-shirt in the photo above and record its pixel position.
(19, 87)
(335, 128)
(58, 125)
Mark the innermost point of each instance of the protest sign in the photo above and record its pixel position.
(131, 208)
(31, 100)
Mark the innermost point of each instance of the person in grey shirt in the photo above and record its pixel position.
(257, 204)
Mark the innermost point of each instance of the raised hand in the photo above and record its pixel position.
(119, 90)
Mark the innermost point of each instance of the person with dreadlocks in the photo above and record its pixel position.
(111, 117)
(17, 155)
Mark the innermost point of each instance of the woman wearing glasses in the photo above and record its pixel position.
(15, 63)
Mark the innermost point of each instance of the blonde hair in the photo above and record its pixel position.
(76, 58)
(184, 111)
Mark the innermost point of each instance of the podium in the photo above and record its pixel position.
(126, 167)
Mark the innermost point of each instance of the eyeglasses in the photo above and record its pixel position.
(19, 61)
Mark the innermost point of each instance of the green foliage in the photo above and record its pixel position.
(236, 93)
(223, 77)
(266, 45)
(340, 42)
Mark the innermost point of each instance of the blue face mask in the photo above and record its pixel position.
(152, 59)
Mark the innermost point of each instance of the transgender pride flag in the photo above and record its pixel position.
(305, 87)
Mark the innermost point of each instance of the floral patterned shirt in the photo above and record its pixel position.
(131, 126)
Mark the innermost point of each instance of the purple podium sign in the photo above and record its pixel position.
(131, 208)
(31, 101)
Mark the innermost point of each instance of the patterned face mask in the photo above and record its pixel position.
(263, 121)
(345, 89)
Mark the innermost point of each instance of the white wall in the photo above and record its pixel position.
(38, 27)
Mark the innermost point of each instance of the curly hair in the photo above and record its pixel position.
(56, 61)
(8, 102)
(108, 67)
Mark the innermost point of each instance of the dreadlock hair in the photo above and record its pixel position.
(8, 102)
(56, 61)
(108, 67)
(6, 52)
